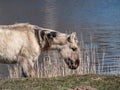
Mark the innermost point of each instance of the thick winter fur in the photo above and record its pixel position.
(22, 43)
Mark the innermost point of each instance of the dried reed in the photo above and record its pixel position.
(52, 65)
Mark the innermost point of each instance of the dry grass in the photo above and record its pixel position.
(52, 65)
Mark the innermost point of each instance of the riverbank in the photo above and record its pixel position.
(62, 83)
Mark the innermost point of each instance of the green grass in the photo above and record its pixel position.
(62, 83)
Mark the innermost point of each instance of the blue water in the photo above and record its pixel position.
(97, 18)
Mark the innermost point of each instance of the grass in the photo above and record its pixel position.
(90, 63)
(62, 83)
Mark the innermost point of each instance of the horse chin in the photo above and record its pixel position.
(71, 64)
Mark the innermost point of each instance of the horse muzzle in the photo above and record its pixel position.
(72, 64)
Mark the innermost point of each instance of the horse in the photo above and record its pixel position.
(23, 43)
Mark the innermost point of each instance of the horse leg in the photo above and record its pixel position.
(27, 68)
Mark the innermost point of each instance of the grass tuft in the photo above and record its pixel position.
(62, 83)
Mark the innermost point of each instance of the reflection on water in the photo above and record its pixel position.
(97, 18)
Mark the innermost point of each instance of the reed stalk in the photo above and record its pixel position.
(52, 65)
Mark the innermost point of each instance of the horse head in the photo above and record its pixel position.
(69, 48)
(71, 51)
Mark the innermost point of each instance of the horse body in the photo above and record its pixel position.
(14, 43)
(23, 43)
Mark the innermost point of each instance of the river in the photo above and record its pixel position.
(99, 19)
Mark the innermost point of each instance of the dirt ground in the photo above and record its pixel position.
(83, 88)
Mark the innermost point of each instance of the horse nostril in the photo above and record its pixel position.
(74, 49)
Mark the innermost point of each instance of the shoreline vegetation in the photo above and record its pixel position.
(99, 82)
(92, 61)
(53, 74)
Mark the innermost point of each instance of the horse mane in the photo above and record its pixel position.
(43, 41)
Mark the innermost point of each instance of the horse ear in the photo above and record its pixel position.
(71, 37)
